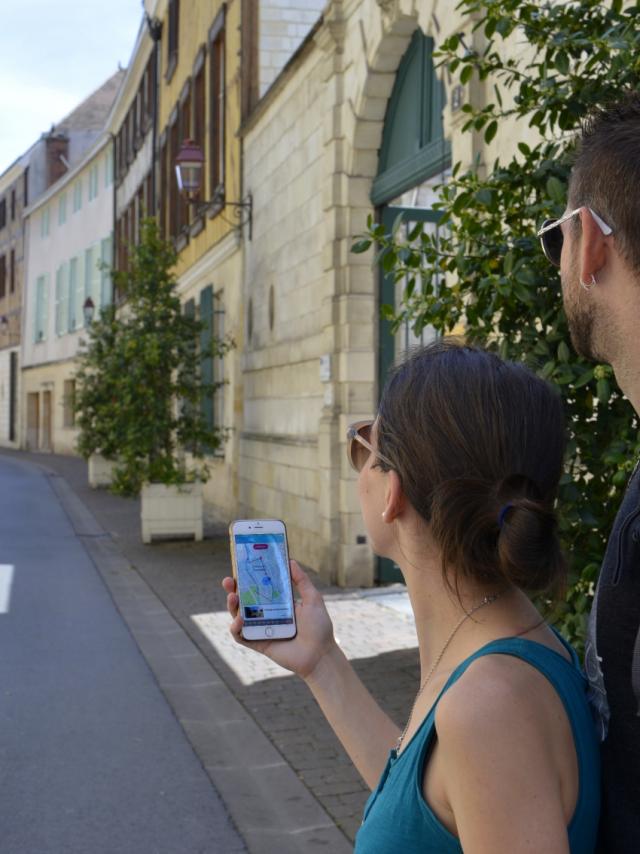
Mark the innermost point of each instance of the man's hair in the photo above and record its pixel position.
(606, 172)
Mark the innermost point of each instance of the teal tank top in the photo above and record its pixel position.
(398, 820)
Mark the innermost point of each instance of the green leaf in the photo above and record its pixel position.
(561, 60)
(555, 190)
(563, 353)
(491, 131)
(465, 74)
(361, 246)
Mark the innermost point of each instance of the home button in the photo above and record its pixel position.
(268, 632)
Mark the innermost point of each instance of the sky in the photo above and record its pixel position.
(53, 54)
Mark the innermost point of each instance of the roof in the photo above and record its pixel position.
(90, 114)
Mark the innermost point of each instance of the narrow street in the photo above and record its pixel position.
(92, 758)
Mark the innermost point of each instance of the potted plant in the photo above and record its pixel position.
(141, 392)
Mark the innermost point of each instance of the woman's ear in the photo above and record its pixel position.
(394, 497)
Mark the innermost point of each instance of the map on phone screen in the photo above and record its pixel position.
(263, 579)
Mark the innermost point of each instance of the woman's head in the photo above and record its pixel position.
(478, 445)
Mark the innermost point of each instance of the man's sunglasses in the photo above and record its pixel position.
(359, 447)
(552, 238)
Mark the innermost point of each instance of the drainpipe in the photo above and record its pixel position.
(154, 27)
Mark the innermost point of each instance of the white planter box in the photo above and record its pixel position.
(100, 471)
(171, 511)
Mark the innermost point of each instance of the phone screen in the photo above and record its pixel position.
(264, 585)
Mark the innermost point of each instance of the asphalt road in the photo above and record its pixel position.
(92, 758)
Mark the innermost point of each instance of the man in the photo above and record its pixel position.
(597, 247)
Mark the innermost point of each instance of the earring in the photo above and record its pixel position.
(588, 286)
(384, 514)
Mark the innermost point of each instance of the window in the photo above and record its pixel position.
(217, 106)
(12, 271)
(184, 132)
(212, 369)
(3, 276)
(218, 362)
(92, 275)
(199, 105)
(62, 209)
(13, 204)
(93, 182)
(69, 404)
(25, 187)
(62, 299)
(74, 300)
(174, 198)
(106, 249)
(41, 308)
(3, 213)
(172, 41)
(44, 223)
(108, 168)
(77, 196)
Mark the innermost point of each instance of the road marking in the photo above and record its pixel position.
(6, 580)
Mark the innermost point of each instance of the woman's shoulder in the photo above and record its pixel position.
(501, 696)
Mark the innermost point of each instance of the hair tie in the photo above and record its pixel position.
(503, 512)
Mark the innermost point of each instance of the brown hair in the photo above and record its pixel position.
(478, 444)
(606, 172)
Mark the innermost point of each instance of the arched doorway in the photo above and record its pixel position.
(414, 157)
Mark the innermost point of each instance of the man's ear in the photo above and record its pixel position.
(395, 499)
(593, 247)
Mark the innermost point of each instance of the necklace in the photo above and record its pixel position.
(488, 600)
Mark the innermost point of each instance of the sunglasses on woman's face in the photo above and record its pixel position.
(552, 238)
(359, 447)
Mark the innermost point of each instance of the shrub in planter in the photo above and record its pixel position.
(141, 386)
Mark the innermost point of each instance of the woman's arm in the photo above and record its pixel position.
(501, 778)
(365, 731)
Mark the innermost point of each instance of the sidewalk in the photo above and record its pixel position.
(374, 628)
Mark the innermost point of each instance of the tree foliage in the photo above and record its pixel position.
(139, 380)
(543, 65)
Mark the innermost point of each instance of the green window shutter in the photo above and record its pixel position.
(206, 364)
(218, 363)
(72, 298)
(105, 274)
(96, 278)
(38, 324)
(64, 297)
(88, 264)
(59, 302)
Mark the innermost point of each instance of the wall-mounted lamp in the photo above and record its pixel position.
(189, 168)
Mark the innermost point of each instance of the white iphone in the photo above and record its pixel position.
(260, 560)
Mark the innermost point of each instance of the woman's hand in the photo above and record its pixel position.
(315, 631)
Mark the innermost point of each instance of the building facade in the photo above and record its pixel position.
(357, 123)
(68, 239)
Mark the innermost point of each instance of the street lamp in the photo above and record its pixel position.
(189, 165)
(88, 309)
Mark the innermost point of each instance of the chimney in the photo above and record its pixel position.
(57, 151)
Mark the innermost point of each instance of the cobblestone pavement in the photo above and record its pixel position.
(374, 627)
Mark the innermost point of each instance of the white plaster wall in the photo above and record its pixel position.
(82, 229)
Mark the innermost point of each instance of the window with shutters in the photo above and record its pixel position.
(44, 223)
(73, 315)
(41, 307)
(62, 209)
(13, 205)
(62, 299)
(12, 271)
(184, 132)
(173, 37)
(106, 250)
(3, 276)
(77, 196)
(217, 106)
(212, 368)
(3, 213)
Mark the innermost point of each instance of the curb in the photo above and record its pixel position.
(272, 809)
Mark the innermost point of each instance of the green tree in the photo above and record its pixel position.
(139, 378)
(485, 269)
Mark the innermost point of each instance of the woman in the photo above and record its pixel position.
(457, 479)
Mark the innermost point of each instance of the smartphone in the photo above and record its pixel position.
(260, 560)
